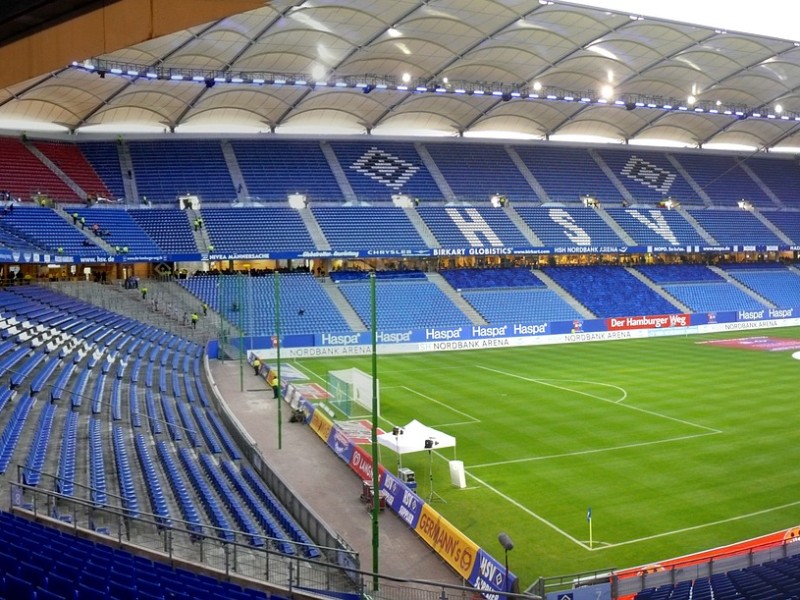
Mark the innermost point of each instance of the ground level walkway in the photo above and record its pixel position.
(324, 481)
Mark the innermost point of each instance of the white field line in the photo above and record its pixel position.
(307, 370)
(470, 419)
(529, 512)
(598, 545)
(444, 404)
(592, 451)
(741, 517)
(627, 406)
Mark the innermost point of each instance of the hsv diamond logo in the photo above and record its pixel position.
(390, 170)
(648, 174)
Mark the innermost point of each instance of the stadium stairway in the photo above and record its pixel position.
(56, 170)
(769, 225)
(611, 176)
(552, 285)
(699, 228)
(126, 163)
(345, 308)
(86, 232)
(236, 173)
(422, 229)
(173, 302)
(338, 172)
(464, 306)
(436, 174)
(314, 230)
(529, 177)
(701, 193)
(623, 235)
(659, 290)
(741, 286)
(529, 234)
(760, 183)
(201, 239)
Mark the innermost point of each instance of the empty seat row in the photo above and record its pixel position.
(127, 489)
(158, 502)
(38, 446)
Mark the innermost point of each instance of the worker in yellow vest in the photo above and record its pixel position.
(276, 384)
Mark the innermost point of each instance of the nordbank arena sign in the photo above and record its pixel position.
(474, 337)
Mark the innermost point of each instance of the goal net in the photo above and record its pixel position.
(351, 393)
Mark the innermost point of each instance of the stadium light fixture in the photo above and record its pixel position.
(606, 95)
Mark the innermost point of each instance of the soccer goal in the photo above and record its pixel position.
(351, 393)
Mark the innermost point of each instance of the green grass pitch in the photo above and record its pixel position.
(677, 446)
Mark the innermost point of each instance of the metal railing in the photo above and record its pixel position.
(267, 569)
(176, 542)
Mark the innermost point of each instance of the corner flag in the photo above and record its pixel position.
(589, 514)
(589, 520)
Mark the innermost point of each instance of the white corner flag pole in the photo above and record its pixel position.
(589, 518)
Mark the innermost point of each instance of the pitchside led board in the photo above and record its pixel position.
(471, 562)
(434, 339)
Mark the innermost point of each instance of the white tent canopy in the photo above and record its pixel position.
(413, 439)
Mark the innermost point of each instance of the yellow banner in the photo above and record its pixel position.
(448, 542)
(321, 424)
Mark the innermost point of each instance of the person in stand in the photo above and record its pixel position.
(195, 319)
(83, 222)
(96, 229)
(144, 293)
(74, 218)
(256, 366)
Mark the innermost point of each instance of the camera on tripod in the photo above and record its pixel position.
(430, 443)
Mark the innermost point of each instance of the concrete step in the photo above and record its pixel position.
(473, 315)
(345, 308)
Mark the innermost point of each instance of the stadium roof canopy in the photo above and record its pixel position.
(536, 69)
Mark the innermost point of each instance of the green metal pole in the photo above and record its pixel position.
(376, 496)
(277, 279)
(240, 296)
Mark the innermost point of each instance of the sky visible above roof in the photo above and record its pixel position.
(773, 18)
